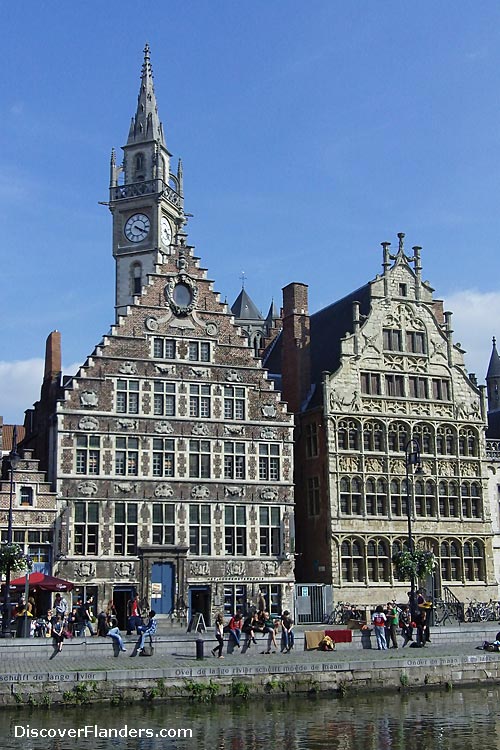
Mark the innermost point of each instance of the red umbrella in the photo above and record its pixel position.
(43, 582)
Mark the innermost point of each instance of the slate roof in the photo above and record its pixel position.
(244, 309)
(494, 366)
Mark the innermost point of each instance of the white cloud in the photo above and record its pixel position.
(20, 384)
(476, 319)
(19, 388)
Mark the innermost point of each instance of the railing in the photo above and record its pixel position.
(493, 449)
(453, 604)
(147, 187)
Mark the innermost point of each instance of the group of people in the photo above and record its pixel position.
(388, 620)
(258, 622)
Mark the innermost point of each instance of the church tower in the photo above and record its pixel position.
(146, 199)
(493, 380)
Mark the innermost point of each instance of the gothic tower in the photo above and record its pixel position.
(146, 199)
(493, 380)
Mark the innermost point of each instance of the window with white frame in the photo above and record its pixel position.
(163, 457)
(127, 456)
(164, 348)
(234, 402)
(86, 528)
(125, 529)
(269, 462)
(87, 454)
(234, 460)
(163, 523)
(235, 530)
(199, 351)
(127, 396)
(269, 530)
(199, 401)
(163, 399)
(200, 542)
(235, 600)
(199, 459)
(26, 496)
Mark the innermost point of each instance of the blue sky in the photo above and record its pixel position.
(309, 132)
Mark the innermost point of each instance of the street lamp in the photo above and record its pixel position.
(12, 462)
(413, 462)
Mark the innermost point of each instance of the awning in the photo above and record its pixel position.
(41, 581)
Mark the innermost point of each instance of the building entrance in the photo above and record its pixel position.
(199, 602)
(162, 587)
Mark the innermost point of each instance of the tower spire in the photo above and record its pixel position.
(146, 125)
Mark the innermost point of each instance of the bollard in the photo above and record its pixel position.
(199, 648)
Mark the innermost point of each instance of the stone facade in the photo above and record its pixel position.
(384, 374)
(172, 452)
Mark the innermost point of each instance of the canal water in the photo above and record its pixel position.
(453, 720)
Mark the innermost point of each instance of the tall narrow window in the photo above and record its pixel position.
(269, 462)
(313, 496)
(199, 401)
(352, 560)
(234, 460)
(86, 528)
(163, 523)
(234, 402)
(199, 459)
(163, 457)
(164, 399)
(136, 272)
(126, 529)
(270, 531)
(235, 530)
(199, 530)
(127, 396)
(127, 456)
(87, 454)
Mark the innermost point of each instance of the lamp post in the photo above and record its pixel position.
(413, 463)
(13, 462)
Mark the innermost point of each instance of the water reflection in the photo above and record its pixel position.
(455, 720)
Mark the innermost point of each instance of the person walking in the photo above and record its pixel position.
(219, 635)
(379, 619)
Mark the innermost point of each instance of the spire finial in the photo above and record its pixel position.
(494, 342)
(146, 125)
(243, 277)
(401, 237)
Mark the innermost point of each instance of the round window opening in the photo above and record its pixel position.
(183, 296)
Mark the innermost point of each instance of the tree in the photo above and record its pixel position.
(413, 565)
(12, 557)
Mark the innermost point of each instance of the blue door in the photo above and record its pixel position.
(162, 588)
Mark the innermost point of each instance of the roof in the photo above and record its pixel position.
(494, 366)
(244, 309)
(8, 434)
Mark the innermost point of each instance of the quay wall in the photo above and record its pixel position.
(206, 680)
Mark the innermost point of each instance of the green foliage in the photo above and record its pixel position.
(403, 678)
(240, 690)
(413, 565)
(202, 692)
(13, 557)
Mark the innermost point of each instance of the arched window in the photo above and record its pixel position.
(468, 444)
(348, 435)
(398, 497)
(352, 561)
(472, 506)
(136, 273)
(397, 438)
(474, 567)
(350, 496)
(257, 344)
(450, 560)
(373, 436)
(139, 166)
(425, 499)
(376, 497)
(446, 444)
(378, 560)
(448, 499)
(424, 434)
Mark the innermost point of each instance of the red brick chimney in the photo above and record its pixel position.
(296, 356)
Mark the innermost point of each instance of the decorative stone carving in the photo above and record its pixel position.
(234, 429)
(232, 376)
(211, 329)
(125, 488)
(151, 323)
(235, 568)
(164, 427)
(470, 470)
(128, 368)
(165, 369)
(372, 342)
(268, 493)
(447, 468)
(124, 570)
(269, 410)
(348, 463)
(465, 410)
(200, 429)
(87, 488)
(185, 280)
(397, 466)
(84, 570)
(200, 492)
(199, 568)
(336, 402)
(88, 423)
(234, 491)
(200, 372)
(268, 433)
(88, 398)
(269, 568)
(127, 424)
(374, 465)
(163, 490)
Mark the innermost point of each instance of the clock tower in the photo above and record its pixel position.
(146, 199)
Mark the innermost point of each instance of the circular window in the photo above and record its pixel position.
(183, 296)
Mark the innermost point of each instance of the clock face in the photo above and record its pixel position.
(166, 231)
(137, 228)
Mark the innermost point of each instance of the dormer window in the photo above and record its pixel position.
(26, 496)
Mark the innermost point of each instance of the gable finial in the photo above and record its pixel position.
(243, 277)
(401, 237)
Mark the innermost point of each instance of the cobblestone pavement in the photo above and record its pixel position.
(67, 661)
